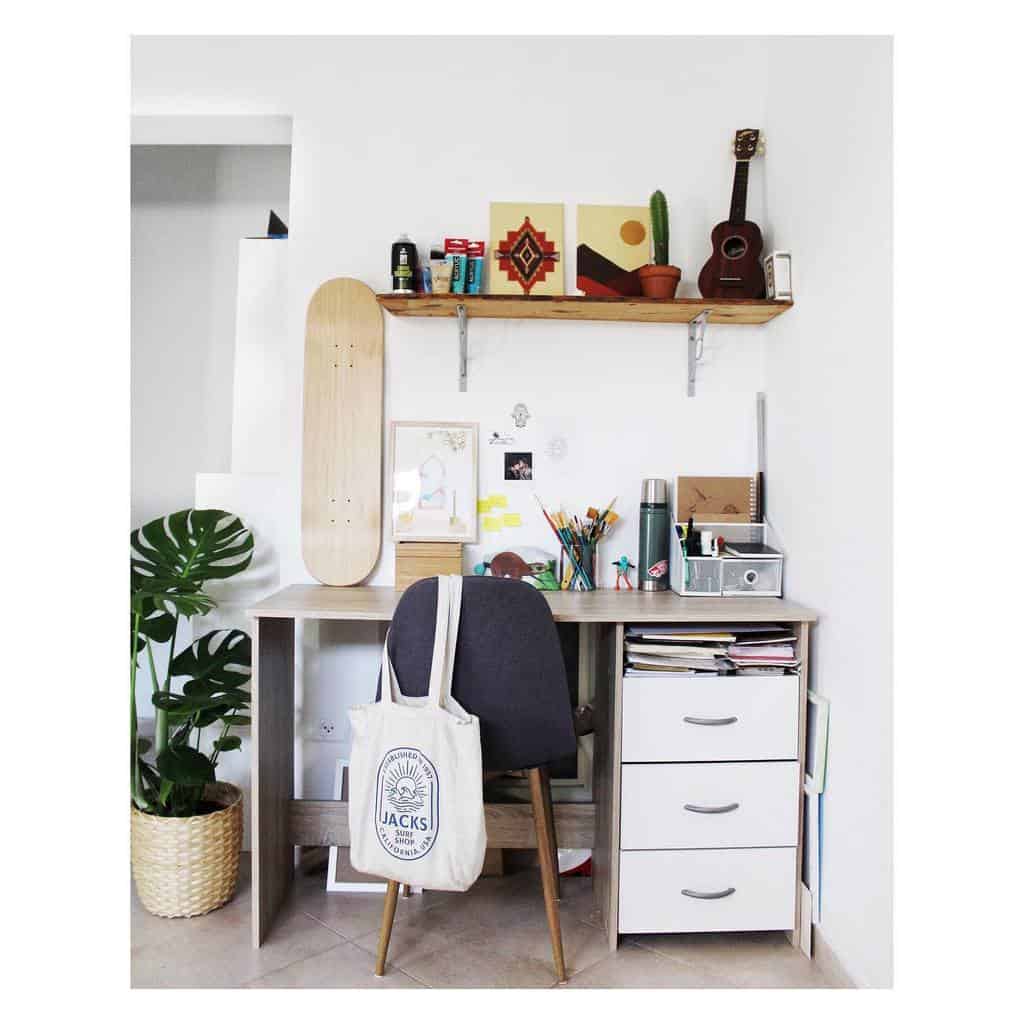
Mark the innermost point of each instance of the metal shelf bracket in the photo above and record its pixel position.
(460, 312)
(695, 350)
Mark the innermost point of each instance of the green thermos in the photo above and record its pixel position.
(654, 536)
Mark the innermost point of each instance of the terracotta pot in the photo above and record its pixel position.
(659, 282)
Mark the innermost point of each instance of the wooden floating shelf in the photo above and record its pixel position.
(579, 307)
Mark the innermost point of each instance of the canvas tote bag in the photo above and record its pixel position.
(416, 812)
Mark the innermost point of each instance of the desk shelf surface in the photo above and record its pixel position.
(377, 604)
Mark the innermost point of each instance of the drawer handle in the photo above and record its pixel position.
(710, 721)
(707, 895)
(724, 809)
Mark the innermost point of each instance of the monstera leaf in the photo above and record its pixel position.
(172, 559)
(176, 555)
(159, 602)
(227, 743)
(185, 766)
(153, 620)
(219, 661)
(188, 704)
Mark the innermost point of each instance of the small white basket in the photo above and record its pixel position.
(726, 576)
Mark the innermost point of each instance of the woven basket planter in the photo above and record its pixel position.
(188, 866)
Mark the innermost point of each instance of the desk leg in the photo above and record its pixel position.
(803, 630)
(273, 765)
(607, 777)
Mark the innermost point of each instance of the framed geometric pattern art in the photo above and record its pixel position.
(527, 255)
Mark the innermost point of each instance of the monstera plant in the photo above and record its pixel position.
(203, 686)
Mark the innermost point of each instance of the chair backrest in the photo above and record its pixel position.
(508, 669)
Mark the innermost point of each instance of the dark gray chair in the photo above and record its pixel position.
(508, 672)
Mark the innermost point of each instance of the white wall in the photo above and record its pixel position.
(563, 120)
(190, 205)
(360, 176)
(829, 398)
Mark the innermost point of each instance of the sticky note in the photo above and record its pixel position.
(492, 524)
(498, 500)
(483, 506)
(512, 519)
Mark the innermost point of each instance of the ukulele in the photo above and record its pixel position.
(734, 270)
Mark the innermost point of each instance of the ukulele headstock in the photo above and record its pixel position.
(748, 144)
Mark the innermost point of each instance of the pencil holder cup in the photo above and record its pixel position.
(588, 561)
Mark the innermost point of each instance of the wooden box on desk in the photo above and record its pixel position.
(416, 560)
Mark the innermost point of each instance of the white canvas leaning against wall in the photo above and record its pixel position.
(433, 481)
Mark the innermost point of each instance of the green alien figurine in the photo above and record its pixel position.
(622, 567)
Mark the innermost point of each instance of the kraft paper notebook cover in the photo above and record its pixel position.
(716, 499)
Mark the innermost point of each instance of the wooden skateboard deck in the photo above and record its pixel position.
(343, 406)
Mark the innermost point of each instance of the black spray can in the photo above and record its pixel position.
(403, 266)
(652, 571)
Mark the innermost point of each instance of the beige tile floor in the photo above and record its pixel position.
(494, 936)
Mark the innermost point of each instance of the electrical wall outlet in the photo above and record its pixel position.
(326, 730)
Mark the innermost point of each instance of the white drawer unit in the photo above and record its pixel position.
(679, 806)
(706, 890)
(710, 718)
(751, 576)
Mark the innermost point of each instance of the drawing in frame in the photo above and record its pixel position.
(433, 481)
(341, 876)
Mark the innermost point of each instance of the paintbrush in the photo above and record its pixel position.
(562, 535)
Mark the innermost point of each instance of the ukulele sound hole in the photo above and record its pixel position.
(734, 247)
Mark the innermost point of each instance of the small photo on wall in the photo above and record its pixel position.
(518, 465)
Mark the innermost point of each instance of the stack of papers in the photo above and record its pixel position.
(764, 652)
(781, 656)
(694, 650)
(710, 649)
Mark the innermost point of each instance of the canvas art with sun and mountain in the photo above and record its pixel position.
(613, 242)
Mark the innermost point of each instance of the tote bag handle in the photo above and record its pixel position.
(389, 689)
(446, 631)
(442, 672)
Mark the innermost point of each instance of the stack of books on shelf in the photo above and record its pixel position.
(708, 650)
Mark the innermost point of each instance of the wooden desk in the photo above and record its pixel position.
(280, 822)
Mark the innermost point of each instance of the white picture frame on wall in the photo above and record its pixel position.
(341, 877)
(432, 477)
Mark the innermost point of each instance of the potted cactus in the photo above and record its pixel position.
(659, 280)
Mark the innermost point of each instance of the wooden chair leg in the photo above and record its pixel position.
(548, 868)
(406, 892)
(549, 821)
(390, 904)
